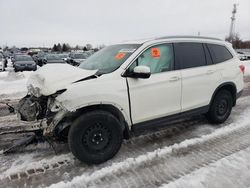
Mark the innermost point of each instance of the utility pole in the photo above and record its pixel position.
(232, 26)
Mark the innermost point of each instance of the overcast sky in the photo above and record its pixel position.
(45, 22)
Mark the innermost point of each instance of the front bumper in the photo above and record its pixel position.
(37, 111)
(49, 130)
(45, 125)
(25, 67)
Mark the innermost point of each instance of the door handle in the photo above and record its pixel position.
(175, 78)
(210, 71)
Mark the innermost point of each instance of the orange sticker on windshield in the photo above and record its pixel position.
(120, 55)
(155, 52)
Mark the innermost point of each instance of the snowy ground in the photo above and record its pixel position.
(190, 153)
(13, 85)
(232, 171)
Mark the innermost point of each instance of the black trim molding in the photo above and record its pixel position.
(164, 121)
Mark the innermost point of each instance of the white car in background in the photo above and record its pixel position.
(243, 56)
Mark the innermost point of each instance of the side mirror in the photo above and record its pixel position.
(141, 72)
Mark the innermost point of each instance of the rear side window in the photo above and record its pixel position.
(219, 53)
(189, 55)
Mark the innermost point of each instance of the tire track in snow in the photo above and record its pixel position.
(169, 163)
(138, 146)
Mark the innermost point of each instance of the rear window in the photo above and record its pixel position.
(219, 53)
(190, 55)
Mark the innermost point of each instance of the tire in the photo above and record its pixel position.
(95, 137)
(221, 107)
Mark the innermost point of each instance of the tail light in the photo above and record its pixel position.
(242, 68)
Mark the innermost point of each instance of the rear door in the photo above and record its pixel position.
(199, 74)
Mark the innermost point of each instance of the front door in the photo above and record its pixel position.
(159, 95)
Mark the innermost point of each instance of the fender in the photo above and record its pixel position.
(114, 109)
(102, 103)
(230, 86)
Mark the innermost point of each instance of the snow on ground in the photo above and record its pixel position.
(29, 161)
(231, 171)
(12, 84)
(148, 157)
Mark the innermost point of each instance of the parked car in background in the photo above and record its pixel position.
(89, 53)
(38, 58)
(55, 58)
(76, 59)
(243, 55)
(2, 62)
(23, 63)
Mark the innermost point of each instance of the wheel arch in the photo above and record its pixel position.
(229, 86)
(105, 107)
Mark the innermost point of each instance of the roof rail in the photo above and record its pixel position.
(188, 36)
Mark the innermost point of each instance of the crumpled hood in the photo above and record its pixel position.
(54, 77)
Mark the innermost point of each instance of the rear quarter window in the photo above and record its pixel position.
(219, 53)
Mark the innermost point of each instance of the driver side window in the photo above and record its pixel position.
(159, 58)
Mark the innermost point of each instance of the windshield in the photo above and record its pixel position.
(110, 58)
(23, 58)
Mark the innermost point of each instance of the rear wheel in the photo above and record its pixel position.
(95, 137)
(221, 107)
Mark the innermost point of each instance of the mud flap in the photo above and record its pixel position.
(28, 139)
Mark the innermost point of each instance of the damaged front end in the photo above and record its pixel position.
(43, 110)
(41, 115)
(44, 86)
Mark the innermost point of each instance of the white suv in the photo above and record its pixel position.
(131, 87)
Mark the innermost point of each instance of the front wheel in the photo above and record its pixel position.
(95, 137)
(221, 107)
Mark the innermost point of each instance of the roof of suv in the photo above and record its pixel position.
(184, 37)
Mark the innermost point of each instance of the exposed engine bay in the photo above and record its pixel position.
(32, 108)
(40, 107)
(43, 110)
(50, 106)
